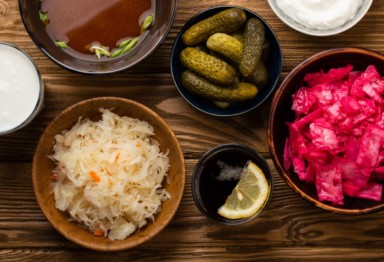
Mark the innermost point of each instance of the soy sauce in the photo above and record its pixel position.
(209, 192)
(81, 23)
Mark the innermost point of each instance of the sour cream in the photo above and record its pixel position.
(320, 14)
(21, 90)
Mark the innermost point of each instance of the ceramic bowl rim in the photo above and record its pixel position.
(321, 33)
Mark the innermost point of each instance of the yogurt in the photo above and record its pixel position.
(21, 89)
(320, 14)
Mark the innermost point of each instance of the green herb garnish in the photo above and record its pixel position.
(43, 17)
(125, 46)
(98, 54)
(61, 44)
(100, 50)
(124, 43)
(130, 45)
(116, 53)
(147, 23)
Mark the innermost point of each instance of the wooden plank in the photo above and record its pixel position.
(268, 254)
(188, 124)
(290, 229)
(287, 221)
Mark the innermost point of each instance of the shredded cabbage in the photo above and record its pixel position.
(337, 138)
(109, 174)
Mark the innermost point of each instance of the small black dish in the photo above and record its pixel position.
(209, 193)
(273, 65)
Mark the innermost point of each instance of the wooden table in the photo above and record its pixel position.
(290, 229)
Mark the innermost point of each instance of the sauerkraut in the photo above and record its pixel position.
(108, 174)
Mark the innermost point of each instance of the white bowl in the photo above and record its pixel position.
(305, 30)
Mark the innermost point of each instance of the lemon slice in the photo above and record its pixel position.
(249, 195)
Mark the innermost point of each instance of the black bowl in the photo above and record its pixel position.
(281, 113)
(209, 194)
(164, 16)
(273, 65)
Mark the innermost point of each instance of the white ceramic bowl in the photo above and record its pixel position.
(305, 30)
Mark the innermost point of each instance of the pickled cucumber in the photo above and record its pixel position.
(238, 35)
(202, 48)
(208, 66)
(254, 34)
(226, 46)
(259, 77)
(201, 87)
(221, 104)
(265, 51)
(226, 21)
(230, 48)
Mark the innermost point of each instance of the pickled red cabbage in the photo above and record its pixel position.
(336, 140)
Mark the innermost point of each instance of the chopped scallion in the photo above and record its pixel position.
(124, 43)
(147, 23)
(61, 44)
(130, 45)
(43, 17)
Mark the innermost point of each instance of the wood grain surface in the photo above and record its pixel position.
(290, 229)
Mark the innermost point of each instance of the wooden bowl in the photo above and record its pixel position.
(164, 15)
(42, 169)
(281, 112)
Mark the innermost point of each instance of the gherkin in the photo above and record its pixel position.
(226, 21)
(202, 87)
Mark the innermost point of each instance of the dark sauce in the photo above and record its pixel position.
(81, 23)
(214, 192)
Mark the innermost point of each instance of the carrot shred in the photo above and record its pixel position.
(98, 232)
(138, 145)
(95, 177)
(117, 157)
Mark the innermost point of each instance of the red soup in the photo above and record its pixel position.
(82, 27)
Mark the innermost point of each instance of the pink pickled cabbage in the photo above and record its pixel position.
(337, 138)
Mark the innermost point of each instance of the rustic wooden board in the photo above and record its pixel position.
(290, 229)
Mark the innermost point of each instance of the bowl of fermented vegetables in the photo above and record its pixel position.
(226, 61)
(326, 130)
(96, 36)
(108, 174)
